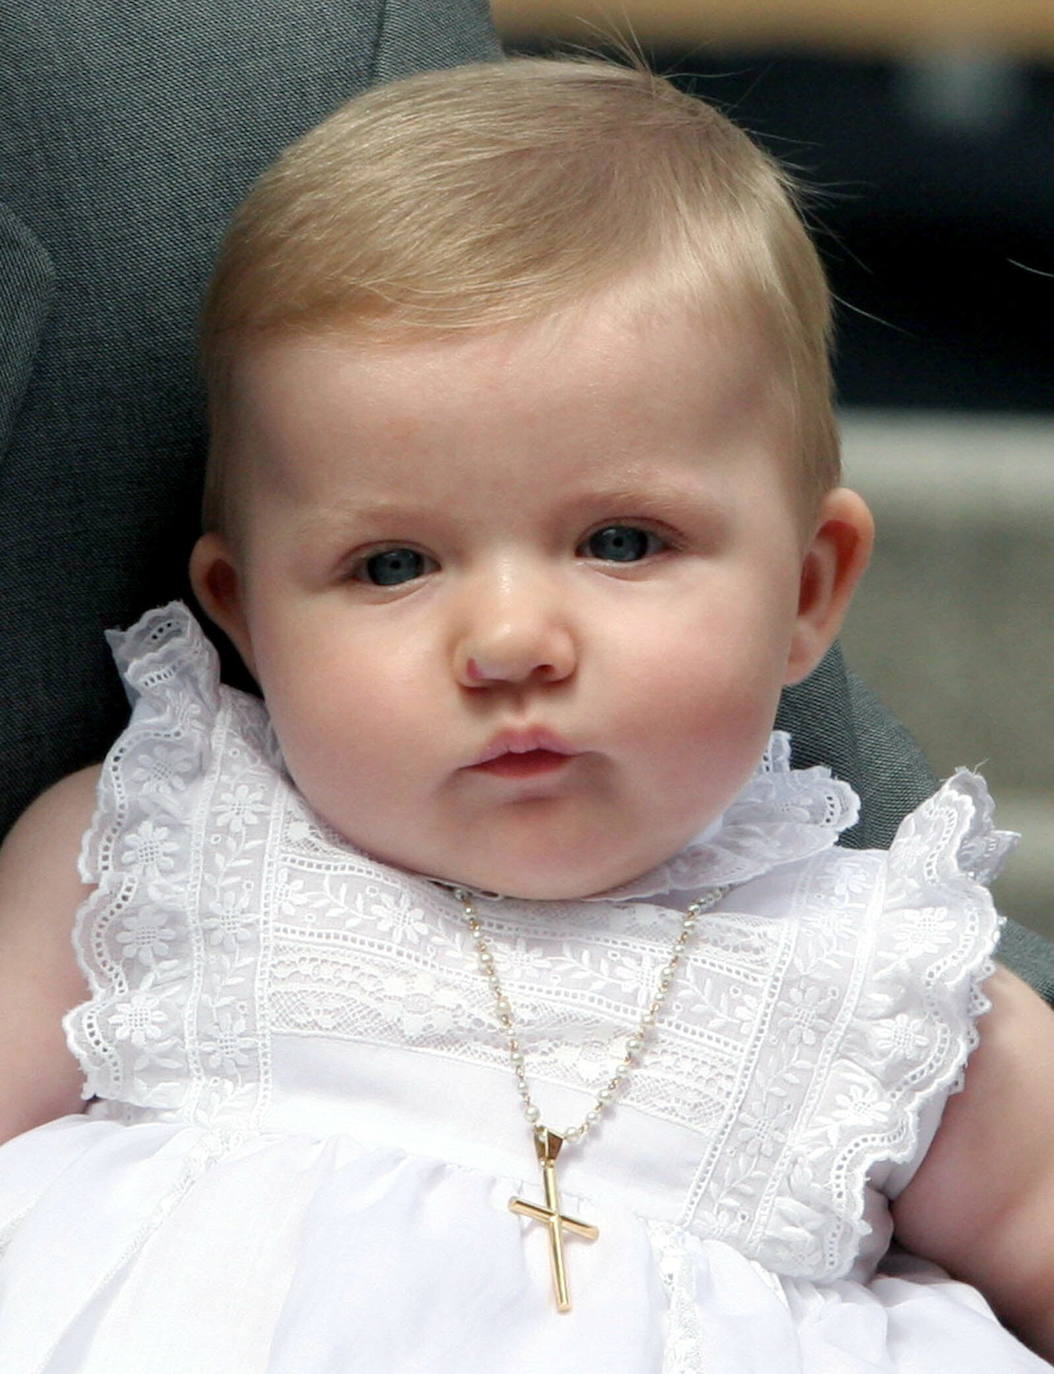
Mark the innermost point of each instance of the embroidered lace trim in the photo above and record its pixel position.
(174, 1021)
(874, 1014)
(799, 1045)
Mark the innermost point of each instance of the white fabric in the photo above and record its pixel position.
(307, 1130)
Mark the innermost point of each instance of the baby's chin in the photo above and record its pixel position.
(533, 880)
(564, 870)
(538, 885)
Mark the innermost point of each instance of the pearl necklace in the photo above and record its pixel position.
(547, 1143)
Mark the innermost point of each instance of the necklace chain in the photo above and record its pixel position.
(635, 1043)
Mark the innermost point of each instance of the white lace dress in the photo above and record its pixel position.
(306, 1131)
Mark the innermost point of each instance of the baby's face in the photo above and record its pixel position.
(520, 604)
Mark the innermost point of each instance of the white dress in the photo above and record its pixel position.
(306, 1131)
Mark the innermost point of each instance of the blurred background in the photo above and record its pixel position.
(927, 129)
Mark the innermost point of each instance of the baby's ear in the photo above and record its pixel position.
(218, 586)
(832, 565)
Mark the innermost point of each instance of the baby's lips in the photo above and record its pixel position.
(533, 739)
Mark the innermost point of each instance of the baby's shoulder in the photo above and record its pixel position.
(43, 846)
(40, 979)
(40, 883)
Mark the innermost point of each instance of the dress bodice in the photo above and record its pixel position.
(253, 973)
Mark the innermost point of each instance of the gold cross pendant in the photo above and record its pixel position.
(547, 1146)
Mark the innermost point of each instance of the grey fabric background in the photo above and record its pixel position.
(128, 133)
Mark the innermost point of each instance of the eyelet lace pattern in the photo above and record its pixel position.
(827, 998)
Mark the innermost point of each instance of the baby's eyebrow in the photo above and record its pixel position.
(654, 497)
(346, 516)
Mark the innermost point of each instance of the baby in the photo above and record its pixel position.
(523, 507)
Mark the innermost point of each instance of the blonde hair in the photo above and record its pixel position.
(488, 195)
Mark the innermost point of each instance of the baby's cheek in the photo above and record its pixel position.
(706, 731)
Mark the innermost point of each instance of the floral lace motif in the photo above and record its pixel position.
(171, 940)
(822, 1005)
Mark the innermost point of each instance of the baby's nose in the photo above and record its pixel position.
(515, 640)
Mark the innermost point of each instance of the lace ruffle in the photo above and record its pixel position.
(169, 941)
(872, 1060)
(939, 931)
(942, 859)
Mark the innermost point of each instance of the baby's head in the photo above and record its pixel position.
(523, 497)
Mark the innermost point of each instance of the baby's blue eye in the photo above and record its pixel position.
(393, 567)
(622, 544)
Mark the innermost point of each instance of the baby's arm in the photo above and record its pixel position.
(40, 981)
(982, 1202)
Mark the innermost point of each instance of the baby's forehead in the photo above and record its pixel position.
(606, 343)
(628, 320)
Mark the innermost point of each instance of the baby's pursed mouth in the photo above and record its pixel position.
(532, 763)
